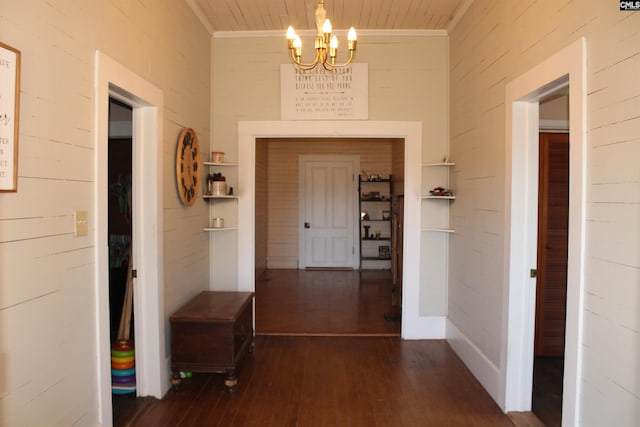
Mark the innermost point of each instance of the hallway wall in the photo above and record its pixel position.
(48, 371)
(496, 41)
(408, 81)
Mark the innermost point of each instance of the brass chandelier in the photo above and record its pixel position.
(324, 42)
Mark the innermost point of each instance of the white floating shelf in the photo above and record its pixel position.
(219, 164)
(439, 197)
(206, 196)
(220, 228)
(439, 230)
(439, 164)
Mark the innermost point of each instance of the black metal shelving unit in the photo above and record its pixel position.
(376, 226)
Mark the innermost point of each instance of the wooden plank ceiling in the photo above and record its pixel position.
(263, 15)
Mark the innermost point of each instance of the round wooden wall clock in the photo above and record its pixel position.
(188, 166)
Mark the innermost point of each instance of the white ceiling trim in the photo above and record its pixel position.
(458, 14)
(311, 33)
(200, 15)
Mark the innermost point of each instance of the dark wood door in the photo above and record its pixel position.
(553, 224)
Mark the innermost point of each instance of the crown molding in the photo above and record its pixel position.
(458, 14)
(200, 15)
(312, 33)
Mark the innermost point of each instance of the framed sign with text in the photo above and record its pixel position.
(317, 94)
(9, 114)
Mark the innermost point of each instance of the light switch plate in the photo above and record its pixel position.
(80, 227)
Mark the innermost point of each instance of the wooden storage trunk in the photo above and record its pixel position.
(211, 332)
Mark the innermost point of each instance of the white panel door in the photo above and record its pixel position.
(328, 221)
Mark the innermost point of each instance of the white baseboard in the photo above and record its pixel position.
(480, 366)
(424, 328)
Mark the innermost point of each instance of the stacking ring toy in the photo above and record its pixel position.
(122, 353)
(122, 345)
(123, 372)
(121, 380)
(122, 359)
(121, 366)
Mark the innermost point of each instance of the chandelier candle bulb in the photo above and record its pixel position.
(297, 45)
(333, 48)
(326, 27)
(352, 38)
(291, 36)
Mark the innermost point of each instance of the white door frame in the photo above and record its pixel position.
(114, 80)
(518, 316)
(414, 326)
(355, 164)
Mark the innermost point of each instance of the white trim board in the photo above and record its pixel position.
(483, 369)
(568, 66)
(248, 132)
(554, 126)
(152, 373)
(339, 33)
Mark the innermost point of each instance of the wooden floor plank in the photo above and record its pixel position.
(300, 302)
(334, 381)
(365, 379)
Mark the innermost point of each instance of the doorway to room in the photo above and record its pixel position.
(150, 351)
(120, 233)
(565, 69)
(249, 242)
(551, 280)
(337, 300)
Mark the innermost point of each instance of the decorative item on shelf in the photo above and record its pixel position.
(217, 222)
(441, 192)
(364, 216)
(384, 252)
(372, 195)
(326, 45)
(216, 184)
(386, 214)
(217, 157)
(366, 231)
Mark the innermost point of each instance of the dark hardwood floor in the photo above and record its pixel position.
(548, 373)
(303, 373)
(333, 381)
(299, 302)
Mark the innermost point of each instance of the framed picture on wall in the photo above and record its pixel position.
(9, 117)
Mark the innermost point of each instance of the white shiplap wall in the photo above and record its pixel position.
(408, 81)
(496, 41)
(48, 316)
